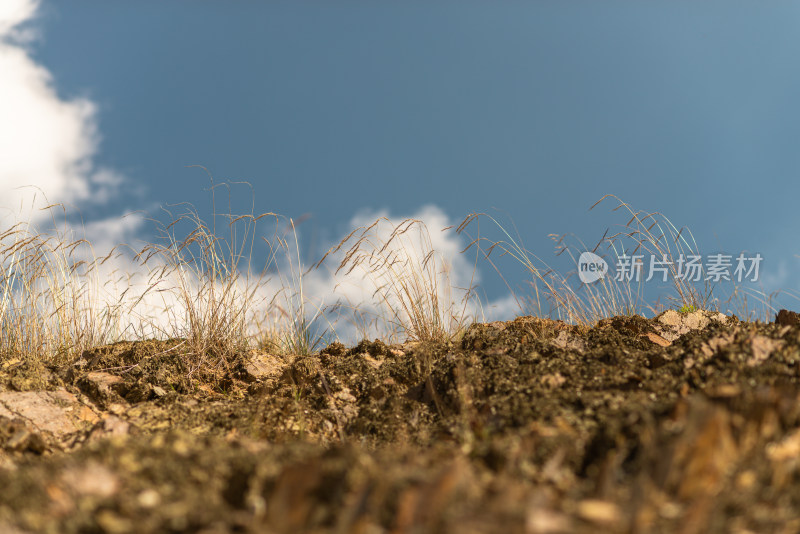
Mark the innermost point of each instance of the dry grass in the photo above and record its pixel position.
(53, 302)
(410, 281)
(216, 299)
(287, 327)
(199, 284)
(552, 294)
(57, 299)
(555, 295)
(654, 234)
(210, 287)
(750, 304)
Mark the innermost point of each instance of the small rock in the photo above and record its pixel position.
(553, 380)
(113, 523)
(569, 342)
(787, 318)
(58, 412)
(658, 340)
(17, 440)
(92, 479)
(24, 440)
(596, 511)
(345, 395)
(372, 361)
(762, 347)
(116, 409)
(670, 318)
(149, 498)
(671, 325)
(695, 320)
(110, 426)
(786, 449)
(263, 367)
(102, 388)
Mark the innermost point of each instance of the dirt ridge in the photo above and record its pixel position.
(686, 422)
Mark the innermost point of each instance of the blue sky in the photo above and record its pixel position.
(536, 109)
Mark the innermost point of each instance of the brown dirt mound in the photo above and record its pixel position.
(684, 423)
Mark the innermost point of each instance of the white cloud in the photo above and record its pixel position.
(13, 13)
(47, 144)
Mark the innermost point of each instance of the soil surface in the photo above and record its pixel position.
(682, 423)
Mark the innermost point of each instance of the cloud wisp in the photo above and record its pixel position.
(48, 143)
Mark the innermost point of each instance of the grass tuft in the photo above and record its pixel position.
(411, 283)
(561, 297)
(53, 302)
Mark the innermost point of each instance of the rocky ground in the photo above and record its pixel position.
(683, 423)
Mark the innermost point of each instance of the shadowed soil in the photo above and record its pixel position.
(681, 423)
